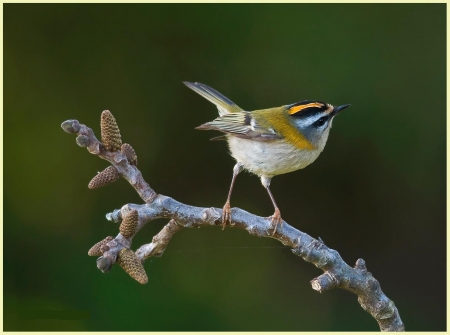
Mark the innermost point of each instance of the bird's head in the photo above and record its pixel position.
(313, 118)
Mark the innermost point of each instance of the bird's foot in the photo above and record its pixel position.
(226, 214)
(276, 220)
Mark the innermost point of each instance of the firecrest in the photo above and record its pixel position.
(269, 142)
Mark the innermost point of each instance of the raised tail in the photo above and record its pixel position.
(224, 105)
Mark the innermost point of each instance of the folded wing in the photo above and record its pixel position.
(241, 125)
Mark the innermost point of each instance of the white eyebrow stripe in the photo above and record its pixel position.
(306, 122)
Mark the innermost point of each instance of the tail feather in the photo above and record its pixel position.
(205, 126)
(224, 105)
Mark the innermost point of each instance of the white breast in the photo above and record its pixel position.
(271, 158)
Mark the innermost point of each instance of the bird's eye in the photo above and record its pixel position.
(319, 123)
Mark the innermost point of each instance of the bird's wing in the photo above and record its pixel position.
(242, 125)
(224, 105)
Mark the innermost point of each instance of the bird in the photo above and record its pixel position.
(269, 142)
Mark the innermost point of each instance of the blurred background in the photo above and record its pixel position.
(376, 192)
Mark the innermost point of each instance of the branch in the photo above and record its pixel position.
(337, 273)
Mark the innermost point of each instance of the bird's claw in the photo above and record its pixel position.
(276, 220)
(226, 214)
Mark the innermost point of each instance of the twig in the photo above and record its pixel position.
(337, 274)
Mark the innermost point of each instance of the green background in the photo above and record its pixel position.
(377, 191)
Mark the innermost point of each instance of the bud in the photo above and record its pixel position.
(107, 176)
(128, 151)
(360, 264)
(132, 265)
(110, 131)
(83, 141)
(104, 264)
(71, 126)
(128, 226)
(114, 216)
(98, 248)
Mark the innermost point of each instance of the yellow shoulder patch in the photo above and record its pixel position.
(280, 121)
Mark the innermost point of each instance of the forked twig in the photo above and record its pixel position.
(123, 160)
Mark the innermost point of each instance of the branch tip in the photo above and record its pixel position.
(324, 282)
(115, 216)
(70, 126)
(104, 264)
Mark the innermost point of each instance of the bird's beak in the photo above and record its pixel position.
(338, 109)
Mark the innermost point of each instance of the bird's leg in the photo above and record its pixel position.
(226, 212)
(276, 217)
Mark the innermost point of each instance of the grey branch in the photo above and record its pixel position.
(337, 273)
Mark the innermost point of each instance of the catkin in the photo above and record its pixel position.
(97, 249)
(128, 226)
(107, 176)
(129, 152)
(110, 131)
(132, 265)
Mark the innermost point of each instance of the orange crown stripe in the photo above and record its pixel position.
(297, 109)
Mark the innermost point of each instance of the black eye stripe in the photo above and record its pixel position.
(308, 112)
(320, 122)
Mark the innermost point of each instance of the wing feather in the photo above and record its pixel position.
(241, 125)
